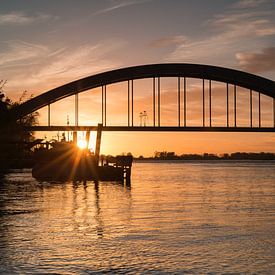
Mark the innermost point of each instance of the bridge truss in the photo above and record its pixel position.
(207, 74)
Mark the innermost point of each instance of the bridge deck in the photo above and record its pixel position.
(151, 129)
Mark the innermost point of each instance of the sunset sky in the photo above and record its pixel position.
(45, 44)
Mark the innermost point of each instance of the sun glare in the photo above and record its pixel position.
(82, 144)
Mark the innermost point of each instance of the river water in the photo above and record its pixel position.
(180, 218)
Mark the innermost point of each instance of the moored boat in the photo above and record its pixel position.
(64, 161)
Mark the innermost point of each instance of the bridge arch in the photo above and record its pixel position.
(207, 72)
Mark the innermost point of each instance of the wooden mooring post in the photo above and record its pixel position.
(98, 142)
(125, 162)
(121, 162)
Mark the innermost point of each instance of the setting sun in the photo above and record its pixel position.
(82, 144)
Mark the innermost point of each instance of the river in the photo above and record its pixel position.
(176, 217)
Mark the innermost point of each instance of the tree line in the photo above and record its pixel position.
(14, 141)
(164, 155)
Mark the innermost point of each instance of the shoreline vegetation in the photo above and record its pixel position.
(206, 156)
(15, 143)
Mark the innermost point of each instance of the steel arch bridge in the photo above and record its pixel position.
(206, 73)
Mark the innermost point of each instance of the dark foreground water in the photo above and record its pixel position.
(183, 218)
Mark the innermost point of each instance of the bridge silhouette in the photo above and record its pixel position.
(233, 79)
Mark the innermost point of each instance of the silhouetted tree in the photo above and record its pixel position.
(13, 139)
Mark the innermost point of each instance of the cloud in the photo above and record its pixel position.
(245, 24)
(20, 51)
(21, 18)
(117, 4)
(35, 67)
(15, 18)
(86, 59)
(168, 41)
(257, 62)
(245, 4)
(229, 32)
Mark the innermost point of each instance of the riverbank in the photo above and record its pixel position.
(206, 157)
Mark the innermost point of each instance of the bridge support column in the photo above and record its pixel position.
(74, 137)
(98, 142)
